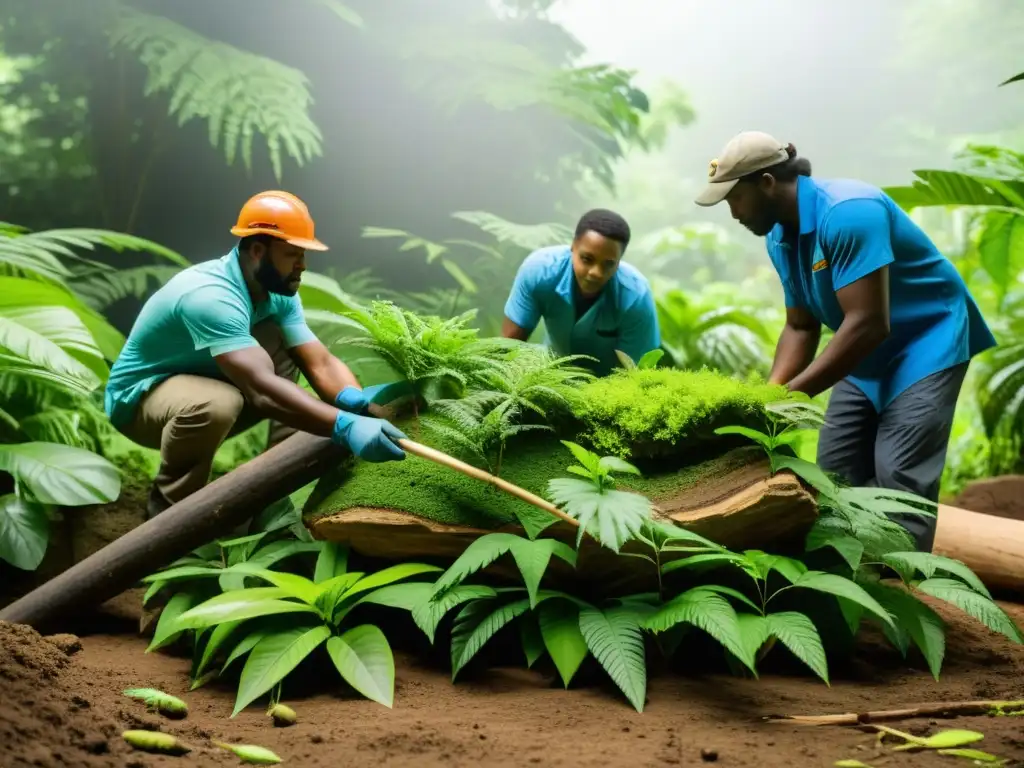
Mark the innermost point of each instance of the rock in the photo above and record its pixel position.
(70, 644)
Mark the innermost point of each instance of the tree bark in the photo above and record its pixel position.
(208, 513)
(992, 547)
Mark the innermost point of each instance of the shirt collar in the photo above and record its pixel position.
(807, 204)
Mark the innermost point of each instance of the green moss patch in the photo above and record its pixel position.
(657, 412)
(426, 489)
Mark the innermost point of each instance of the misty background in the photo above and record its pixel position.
(438, 143)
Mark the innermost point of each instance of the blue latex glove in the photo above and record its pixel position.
(355, 400)
(367, 437)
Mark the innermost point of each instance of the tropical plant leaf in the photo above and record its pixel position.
(61, 474)
(529, 237)
(24, 532)
(241, 604)
(101, 288)
(363, 658)
(477, 623)
(428, 614)
(167, 631)
(840, 586)
(849, 547)
(612, 517)
(560, 631)
(970, 602)
(707, 611)
(530, 637)
(405, 596)
(914, 620)
(906, 564)
(218, 637)
(239, 94)
(243, 647)
(614, 638)
(273, 658)
(798, 633)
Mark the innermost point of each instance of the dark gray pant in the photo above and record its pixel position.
(902, 448)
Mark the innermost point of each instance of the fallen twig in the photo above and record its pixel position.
(941, 709)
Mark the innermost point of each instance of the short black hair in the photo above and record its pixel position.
(249, 240)
(606, 223)
(787, 170)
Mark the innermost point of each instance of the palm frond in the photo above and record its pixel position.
(527, 236)
(100, 288)
(239, 94)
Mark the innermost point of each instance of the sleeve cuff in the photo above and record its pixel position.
(297, 334)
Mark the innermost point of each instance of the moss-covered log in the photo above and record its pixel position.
(418, 510)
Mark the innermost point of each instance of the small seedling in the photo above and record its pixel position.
(250, 753)
(164, 703)
(850, 764)
(154, 741)
(974, 754)
(282, 715)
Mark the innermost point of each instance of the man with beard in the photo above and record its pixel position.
(591, 303)
(219, 348)
(906, 327)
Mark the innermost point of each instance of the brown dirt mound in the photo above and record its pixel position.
(69, 712)
(998, 496)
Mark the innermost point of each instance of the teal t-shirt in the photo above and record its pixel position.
(849, 229)
(623, 317)
(203, 311)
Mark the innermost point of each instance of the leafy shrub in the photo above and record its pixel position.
(652, 412)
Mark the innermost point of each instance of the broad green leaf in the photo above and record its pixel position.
(241, 604)
(798, 633)
(560, 631)
(220, 635)
(529, 636)
(754, 632)
(56, 339)
(970, 602)
(388, 576)
(588, 460)
(610, 516)
(707, 611)
(532, 558)
(184, 572)
(730, 592)
(405, 596)
(906, 564)
(839, 586)
(848, 547)
(615, 464)
(811, 473)
(650, 359)
(273, 658)
(477, 623)
(167, 630)
(60, 474)
(363, 658)
(243, 647)
(1001, 249)
(613, 636)
(919, 622)
(294, 585)
(477, 556)
(760, 438)
(24, 532)
(332, 561)
(709, 559)
(428, 614)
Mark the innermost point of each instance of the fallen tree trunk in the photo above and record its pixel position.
(208, 513)
(992, 547)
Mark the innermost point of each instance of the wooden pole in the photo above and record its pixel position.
(940, 709)
(208, 513)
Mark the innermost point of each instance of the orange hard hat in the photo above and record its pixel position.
(278, 214)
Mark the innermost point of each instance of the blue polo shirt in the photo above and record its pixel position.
(623, 317)
(849, 229)
(201, 312)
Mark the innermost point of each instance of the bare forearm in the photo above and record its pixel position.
(793, 353)
(286, 402)
(331, 376)
(855, 340)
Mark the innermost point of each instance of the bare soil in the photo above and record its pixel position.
(63, 707)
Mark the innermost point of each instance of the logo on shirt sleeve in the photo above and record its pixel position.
(819, 265)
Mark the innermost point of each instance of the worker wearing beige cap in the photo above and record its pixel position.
(906, 327)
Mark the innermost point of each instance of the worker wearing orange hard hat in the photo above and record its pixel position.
(219, 348)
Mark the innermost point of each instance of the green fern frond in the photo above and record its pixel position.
(239, 94)
(102, 287)
(527, 236)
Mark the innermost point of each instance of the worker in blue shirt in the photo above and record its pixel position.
(591, 302)
(906, 326)
(220, 347)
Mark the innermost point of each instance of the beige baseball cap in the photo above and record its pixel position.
(747, 152)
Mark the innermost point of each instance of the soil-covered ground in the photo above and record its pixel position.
(63, 707)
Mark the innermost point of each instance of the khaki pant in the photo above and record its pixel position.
(187, 418)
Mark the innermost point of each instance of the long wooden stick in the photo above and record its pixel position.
(426, 452)
(941, 709)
